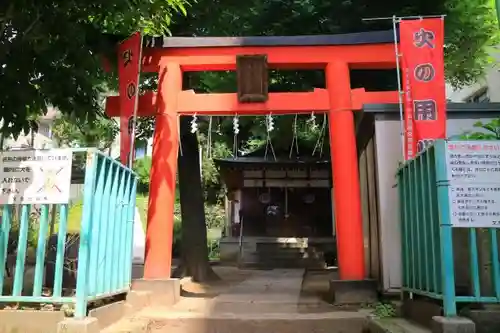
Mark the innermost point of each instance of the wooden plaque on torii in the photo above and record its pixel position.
(252, 78)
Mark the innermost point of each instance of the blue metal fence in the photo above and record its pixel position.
(428, 250)
(104, 261)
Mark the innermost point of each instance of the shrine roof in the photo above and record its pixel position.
(258, 158)
(358, 38)
(271, 161)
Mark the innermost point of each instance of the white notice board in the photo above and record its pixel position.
(473, 169)
(35, 176)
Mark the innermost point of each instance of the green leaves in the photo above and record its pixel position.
(488, 131)
(50, 52)
(471, 32)
(72, 131)
(142, 168)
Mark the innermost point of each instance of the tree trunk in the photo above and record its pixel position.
(194, 249)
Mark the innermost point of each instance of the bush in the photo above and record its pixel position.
(215, 219)
(213, 249)
(142, 168)
(215, 216)
(33, 225)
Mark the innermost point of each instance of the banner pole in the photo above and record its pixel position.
(400, 90)
(136, 106)
(412, 17)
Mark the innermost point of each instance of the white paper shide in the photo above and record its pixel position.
(35, 176)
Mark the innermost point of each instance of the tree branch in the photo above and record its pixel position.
(32, 25)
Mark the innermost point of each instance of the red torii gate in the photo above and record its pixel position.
(336, 54)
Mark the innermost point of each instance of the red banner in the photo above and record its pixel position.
(422, 59)
(129, 57)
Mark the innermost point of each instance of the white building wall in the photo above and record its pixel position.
(41, 140)
(115, 148)
(491, 82)
(149, 147)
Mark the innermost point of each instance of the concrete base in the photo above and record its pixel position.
(486, 320)
(109, 313)
(136, 301)
(421, 311)
(130, 325)
(29, 321)
(72, 325)
(164, 292)
(452, 325)
(353, 292)
(394, 325)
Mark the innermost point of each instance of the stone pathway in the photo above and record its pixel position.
(274, 291)
(261, 301)
(266, 291)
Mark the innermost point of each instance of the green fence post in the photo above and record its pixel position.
(85, 235)
(446, 231)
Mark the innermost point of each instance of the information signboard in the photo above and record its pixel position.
(475, 205)
(473, 169)
(473, 161)
(35, 176)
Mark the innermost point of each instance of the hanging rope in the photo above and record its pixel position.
(209, 138)
(179, 134)
(236, 131)
(218, 130)
(295, 139)
(321, 138)
(269, 129)
(312, 122)
(194, 124)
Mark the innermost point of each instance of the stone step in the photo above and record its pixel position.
(290, 252)
(277, 259)
(189, 322)
(291, 248)
(395, 325)
(129, 325)
(251, 307)
(273, 264)
(287, 247)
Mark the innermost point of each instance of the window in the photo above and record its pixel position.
(44, 129)
(481, 96)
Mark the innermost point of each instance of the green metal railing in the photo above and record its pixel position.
(420, 224)
(428, 236)
(104, 260)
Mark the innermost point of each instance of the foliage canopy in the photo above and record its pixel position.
(50, 52)
(99, 132)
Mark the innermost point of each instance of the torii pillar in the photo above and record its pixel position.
(346, 187)
(159, 234)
